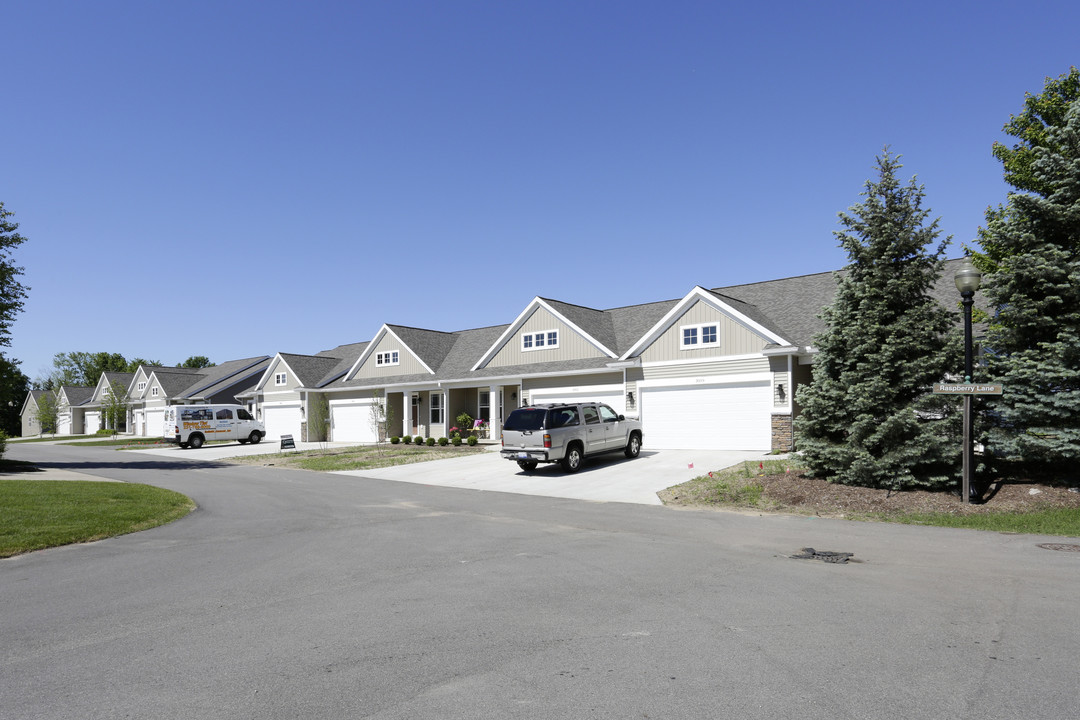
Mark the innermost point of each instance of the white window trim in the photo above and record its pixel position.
(387, 358)
(441, 408)
(700, 343)
(154, 391)
(280, 379)
(142, 386)
(532, 337)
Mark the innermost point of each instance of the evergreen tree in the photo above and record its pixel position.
(1032, 128)
(1034, 338)
(868, 417)
(12, 292)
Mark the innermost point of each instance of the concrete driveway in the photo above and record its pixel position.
(608, 478)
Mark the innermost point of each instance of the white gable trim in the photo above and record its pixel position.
(672, 316)
(370, 349)
(536, 304)
(270, 370)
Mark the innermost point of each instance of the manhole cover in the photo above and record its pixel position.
(839, 558)
(1064, 547)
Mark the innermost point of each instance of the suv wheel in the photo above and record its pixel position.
(633, 448)
(571, 463)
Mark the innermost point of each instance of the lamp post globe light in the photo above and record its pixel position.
(968, 278)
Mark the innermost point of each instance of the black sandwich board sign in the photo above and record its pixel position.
(287, 442)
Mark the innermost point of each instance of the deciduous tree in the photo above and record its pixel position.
(12, 292)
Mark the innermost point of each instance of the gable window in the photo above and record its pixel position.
(386, 358)
(698, 336)
(142, 386)
(281, 378)
(154, 391)
(540, 340)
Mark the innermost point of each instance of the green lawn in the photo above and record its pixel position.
(37, 514)
(361, 457)
(1057, 521)
(47, 438)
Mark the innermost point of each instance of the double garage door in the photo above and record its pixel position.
(282, 420)
(350, 421)
(735, 416)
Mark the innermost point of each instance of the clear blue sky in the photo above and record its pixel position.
(239, 178)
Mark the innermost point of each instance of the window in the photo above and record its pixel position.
(224, 414)
(436, 408)
(386, 358)
(540, 340)
(608, 415)
(154, 391)
(142, 386)
(699, 336)
(281, 378)
(243, 414)
(484, 405)
(590, 415)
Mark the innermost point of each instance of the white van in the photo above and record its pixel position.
(193, 425)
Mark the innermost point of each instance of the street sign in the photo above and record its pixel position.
(967, 389)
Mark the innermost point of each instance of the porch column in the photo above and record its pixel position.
(495, 421)
(406, 411)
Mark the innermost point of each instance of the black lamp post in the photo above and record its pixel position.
(967, 280)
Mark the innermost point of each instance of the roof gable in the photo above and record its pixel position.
(738, 311)
(437, 349)
(594, 319)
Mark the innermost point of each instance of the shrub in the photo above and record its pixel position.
(395, 440)
(419, 440)
(104, 431)
(443, 442)
(430, 442)
(456, 440)
(406, 439)
(3, 443)
(464, 421)
(472, 440)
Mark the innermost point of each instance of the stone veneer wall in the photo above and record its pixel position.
(783, 434)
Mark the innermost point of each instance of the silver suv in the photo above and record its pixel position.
(567, 433)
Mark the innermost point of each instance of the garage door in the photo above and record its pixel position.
(282, 420)
(93, 422)
(155, 423)
(63, 425)
(614, 398)
(708, 417)
(350, 421)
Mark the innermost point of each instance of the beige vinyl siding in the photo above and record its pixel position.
(734, 338)
(407, 363)
(573, 381)
(271, 385)
(781, 381)
(703, 369)
(572, 346)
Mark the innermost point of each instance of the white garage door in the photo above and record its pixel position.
(282, 420)
(93, 422)
(155, 424)
(708, 417)
(63, 425)
(350, 421)
(614, 398)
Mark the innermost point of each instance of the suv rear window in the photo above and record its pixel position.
(525, 419)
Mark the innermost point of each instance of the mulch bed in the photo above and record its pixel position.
(796, 492)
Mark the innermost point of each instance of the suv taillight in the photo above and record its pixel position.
(547, 440)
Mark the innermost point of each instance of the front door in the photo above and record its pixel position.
(415, 414)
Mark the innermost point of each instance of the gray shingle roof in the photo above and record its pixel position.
(77, 395)
(309, 369)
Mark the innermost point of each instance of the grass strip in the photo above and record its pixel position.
(37, 514)
(1051, 521)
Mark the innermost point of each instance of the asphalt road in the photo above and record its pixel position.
(290, 594)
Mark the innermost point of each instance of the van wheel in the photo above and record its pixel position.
(571, 463)
(527, 465)
(254, 438)
(633, 448)
(196, 442)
